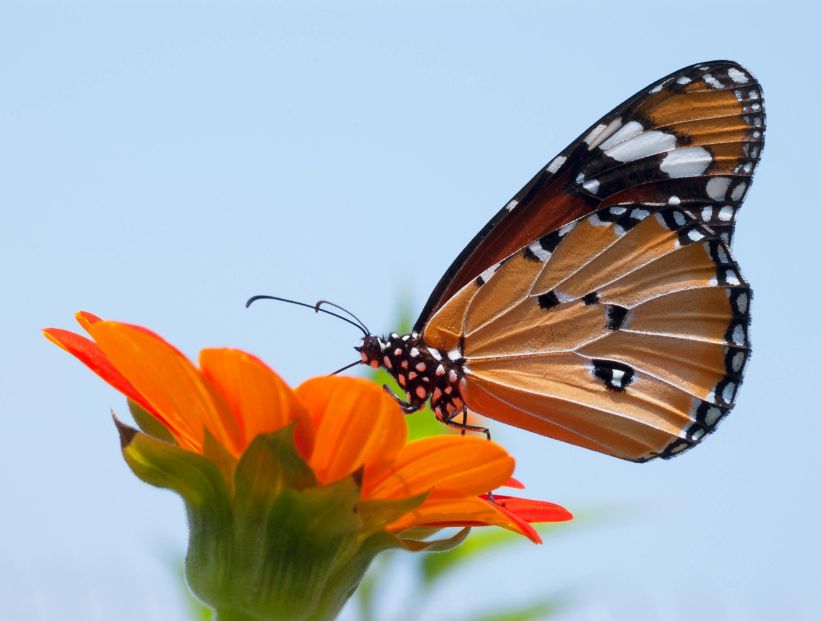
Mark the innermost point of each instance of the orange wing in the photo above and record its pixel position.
(624, 332)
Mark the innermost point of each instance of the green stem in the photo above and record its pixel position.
(233, 615)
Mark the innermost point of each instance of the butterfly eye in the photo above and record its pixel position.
(370, 349)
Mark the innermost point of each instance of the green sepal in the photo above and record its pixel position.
(223, 460)
(376, 514)
(283, 565)
(166, 465)
(268, 466)
(149, 423)
(437, 545)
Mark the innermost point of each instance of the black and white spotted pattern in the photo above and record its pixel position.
(627, 149)
(422, 372)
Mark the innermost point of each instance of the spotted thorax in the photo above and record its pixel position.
(423, 373)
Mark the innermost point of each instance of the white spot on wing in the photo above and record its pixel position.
(674, 200)
(732, 278)
(737, 76)
(738, 191)
(556, 164)
(686, 162)
(594, 133)
(683, 80)
(712, 81)
(659, 87)
(641, 146)
(602, 132)
(511, 205)
(723, 257)
(541, 254)
(738, 360)
(738, 335)
(591, 186)
(707, 214)
(632, 129)
(728, 393)
(741, 302)
(717, 188)
(712, 416)
(725, 214)
(695, 235)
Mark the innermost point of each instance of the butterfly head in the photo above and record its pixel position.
(372, 350)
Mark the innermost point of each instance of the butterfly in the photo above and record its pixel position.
(602, 305)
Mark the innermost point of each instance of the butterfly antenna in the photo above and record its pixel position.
(344, 310)
(347, 366)
(253, 299)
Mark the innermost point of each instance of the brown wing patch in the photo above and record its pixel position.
(627, 425)
(624, 332)
(684, 313)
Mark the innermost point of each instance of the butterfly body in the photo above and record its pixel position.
(423, 372)
(602, 305)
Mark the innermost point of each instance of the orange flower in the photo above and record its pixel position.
(343, 426)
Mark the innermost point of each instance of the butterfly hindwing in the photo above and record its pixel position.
(624, 332)
(691, 139)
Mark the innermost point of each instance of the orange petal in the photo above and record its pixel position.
(87, 352)
(355, 424)
(86, 319)
(260, 399)
(170, 384)
(514, 483)
(468, 465)
(455, 510)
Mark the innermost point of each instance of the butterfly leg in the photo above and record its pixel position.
(407, 408)
(451, 421)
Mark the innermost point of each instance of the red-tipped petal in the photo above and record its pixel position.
(87, 352)
(533, 511)
(170, 383)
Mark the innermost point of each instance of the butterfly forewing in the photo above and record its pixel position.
(624, 332)
(691, 139)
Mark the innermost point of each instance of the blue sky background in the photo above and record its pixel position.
(160, 162)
